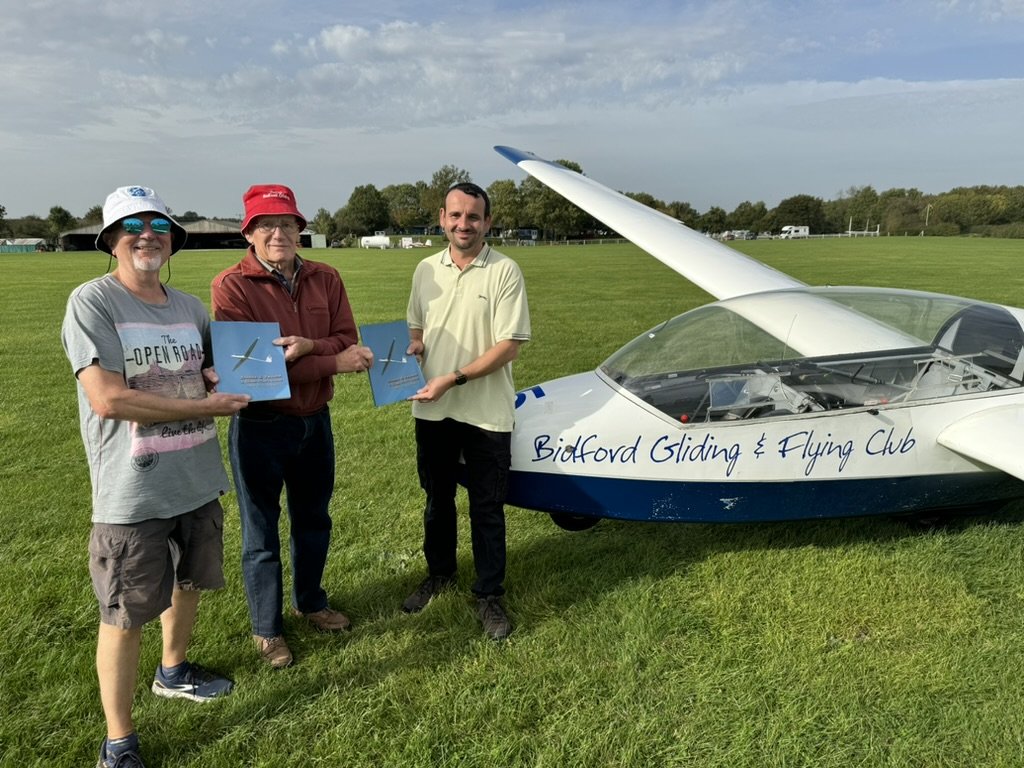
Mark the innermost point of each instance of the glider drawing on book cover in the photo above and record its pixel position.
(258, 366)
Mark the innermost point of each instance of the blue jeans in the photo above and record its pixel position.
(271, 452)
(487, 456)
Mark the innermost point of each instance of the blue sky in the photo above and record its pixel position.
(710, 102)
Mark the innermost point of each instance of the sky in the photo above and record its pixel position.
(710, 102)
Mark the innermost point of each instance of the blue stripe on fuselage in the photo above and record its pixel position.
(736, 502)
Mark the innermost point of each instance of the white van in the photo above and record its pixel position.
(794, 232)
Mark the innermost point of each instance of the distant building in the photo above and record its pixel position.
(23, 245)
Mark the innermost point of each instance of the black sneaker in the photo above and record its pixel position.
(128, 759)
(192, 682)
(493, 617)
(429, 587)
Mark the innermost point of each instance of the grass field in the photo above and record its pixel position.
(838, 643)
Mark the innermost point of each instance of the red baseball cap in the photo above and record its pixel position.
(270, 200)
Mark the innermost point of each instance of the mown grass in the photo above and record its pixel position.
(835, 643)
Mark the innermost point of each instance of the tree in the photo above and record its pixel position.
(366, 212)
(714, 221)
(189, 216)
(1014, 201)
(93, 216)
(902, 211)
(3, 224)
(30, 226)
(432, 198)
(324, 224)
(649, 200)
(59, 220)
(749, 216)
(685, 212)
(801, 210)
(405, 205)
(506, 205)
(863, 211)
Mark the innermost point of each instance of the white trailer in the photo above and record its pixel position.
(794, 232)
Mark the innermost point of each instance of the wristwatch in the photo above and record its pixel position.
(460, 378)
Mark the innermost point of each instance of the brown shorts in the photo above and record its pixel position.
(134, 567)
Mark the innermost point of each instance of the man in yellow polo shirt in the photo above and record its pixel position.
(467, 317)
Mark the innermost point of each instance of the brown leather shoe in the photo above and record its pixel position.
(273, 650)
(326, 619)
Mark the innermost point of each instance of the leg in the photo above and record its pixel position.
(258, 450)
(117, 667)
(132, 573)
(437, 454)
(488, 459)
(176, 624)
(309, 483)
(197, 550)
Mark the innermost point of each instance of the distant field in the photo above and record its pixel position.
(837, 643)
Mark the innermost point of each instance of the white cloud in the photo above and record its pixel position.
(704, 101)
(157, 41)
(344, 41)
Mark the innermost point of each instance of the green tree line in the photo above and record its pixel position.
(991, 211)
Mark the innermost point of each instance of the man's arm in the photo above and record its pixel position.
(500, 354)
(308, 359)
(111, 398)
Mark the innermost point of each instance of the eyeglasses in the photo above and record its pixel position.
(135, 226)
(288, 226)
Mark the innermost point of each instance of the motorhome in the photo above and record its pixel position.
(794, 232)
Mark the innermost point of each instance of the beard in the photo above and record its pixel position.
(147, 261)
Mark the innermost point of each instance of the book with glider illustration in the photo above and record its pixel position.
(247, 360)
(395, 375)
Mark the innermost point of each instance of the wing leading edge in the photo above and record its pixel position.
(718, 269)
(824, 327)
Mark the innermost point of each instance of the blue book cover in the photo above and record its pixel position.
(247, 361)
(394, 376)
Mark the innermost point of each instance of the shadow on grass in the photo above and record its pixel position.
(600, 558)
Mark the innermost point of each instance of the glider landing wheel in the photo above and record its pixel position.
(569, 522)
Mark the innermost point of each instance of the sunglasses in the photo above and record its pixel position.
(135, 226)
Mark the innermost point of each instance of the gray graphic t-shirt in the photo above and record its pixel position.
(144, 471)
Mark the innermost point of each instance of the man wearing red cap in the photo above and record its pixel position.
(287, 444)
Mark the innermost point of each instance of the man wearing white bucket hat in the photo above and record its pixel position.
(138, 350)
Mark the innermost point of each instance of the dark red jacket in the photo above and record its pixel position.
(318, 309)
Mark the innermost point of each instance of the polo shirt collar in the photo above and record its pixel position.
(479, 261)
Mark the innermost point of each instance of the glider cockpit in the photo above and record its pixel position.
(713, 364)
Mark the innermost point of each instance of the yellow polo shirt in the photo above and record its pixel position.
(462, 315)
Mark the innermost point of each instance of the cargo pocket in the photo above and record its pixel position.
(106, 567)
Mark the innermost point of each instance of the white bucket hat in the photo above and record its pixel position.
(128, 201)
